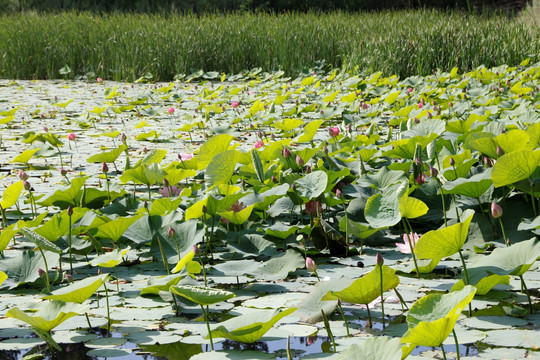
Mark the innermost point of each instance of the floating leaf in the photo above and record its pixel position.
(380, 348)
(50, 314)
(516, 166)
(367, 288)
(441, 243)
(202, 295)
(79, 291)
(250, 327)
(108, 156)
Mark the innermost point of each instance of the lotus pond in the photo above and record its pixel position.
(333, 215)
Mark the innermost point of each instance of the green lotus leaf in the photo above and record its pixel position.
(108, 156)
(202, 295)
(221, 168)
(237, 217)
(114, 229)
(309, 131)
(484, 283)
(513, 140)
(154, 156)
(360, 230)
(58, 225)
(23, 268)
(474, 187)
(11, 194)
(79, 291)
(70, 196)
(250, 327)
(441, 243)
(173, 351)
(312, 185)
(158, 284)
(40, 241)
(432, 318)
(411, 208)
(6, 235)
(515, 166)
(213, 205)
(25, 156)
(110, 259)
(50, 314)
(383, 179)
(144, 174)
(367, 288)
(278, 267)
(405, 148)
(3, 277)
(380, 348)
(175, 175)
(164, 206)
(382, 210)
(183, 262)
(212, 147)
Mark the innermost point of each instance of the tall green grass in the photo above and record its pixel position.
(37, 46)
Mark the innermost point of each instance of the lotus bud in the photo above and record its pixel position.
(145, 204)
(165, 183)
(260, 134)
(204, 209)
(286, 152)
(416, 121)
(272, 136)
(46, 129)
(420, 179)
(310, 264)
(104, 167)
(123, 137)
(339, 194)
(274, 179)
(379, 259)
(508, 243)
(308, 169)
(23, 175)
(325, 149)
(170, 110)
(500, 151)
(69, 210)
(452, 162)
(299, 161)
(63, 172)
(429, 116)
(26, 185)
(496, 210)
(293, 187)
(433, 172)
(69, 278)
(71, 137)
(349, 128)
(99, 271)
(41, 272)
(172, 232)
(196, 250)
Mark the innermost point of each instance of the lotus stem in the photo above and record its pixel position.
(205, 314)
(369, 315)
(403, 304)
(443, 352)
(382, 298)
(328, 330)
(4, 220)
(108, 309)
(70, 251)
(47, 281)
(163, 257)
(532, 198)
(503, 232)
(346, 228)
(204, 271)
(88, 321)
(466, 276)
(289, 354)
(108, 189)
(409, 231)
(176, 309)
(117, 280)
(60, 155)
(457, 344)
(149, 192)
(343, 316)
(531, 309)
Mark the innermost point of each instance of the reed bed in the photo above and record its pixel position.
(128, 46)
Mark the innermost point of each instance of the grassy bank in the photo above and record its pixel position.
(129, 46)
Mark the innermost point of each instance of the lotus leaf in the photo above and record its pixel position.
(50, 314)
(79, 291)
(202, 295)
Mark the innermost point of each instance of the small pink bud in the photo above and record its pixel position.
(26, 185)
(104, 167)
(71, 137)
(99, 271)
(333, 131)
(409, 90)
(274, 179)
(339, 194)
(69, 278)
(500, 151)
(41, 272)
(259, 144)
(452, 162)
(416, 121)
(63, 172)
(165, 183)
(420, 105)
(433, 172)
(420, 179)
(310, 264)
(123, 137)
(379, 259)
(496, 210)
(308, 169)
(69, 210)
(172, 232)
(299, 161)
(286, 152)
(204, 209)
(46, 129)
(196, 250)
(325, 149)
(23, 175)
(170, 110)
(99, 79)
(235, 104)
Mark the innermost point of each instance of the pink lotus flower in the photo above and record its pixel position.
(71, 137)
(170, 191)
(170, 110)
(420, 105)
(405, 248)
(259, 144)
(409, 90)
(333, 131)
(185, 156)
(235, 104)
(99, 79)
(236, 207)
